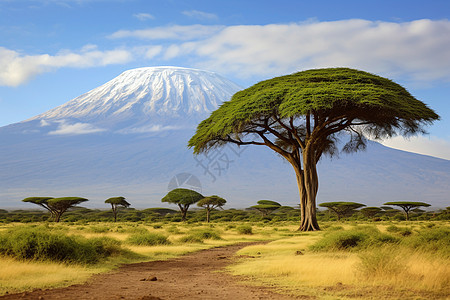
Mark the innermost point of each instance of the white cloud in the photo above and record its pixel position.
(143, 16)
(201, 15)
(416, 50)
(432, 146)
(44, 123)
(173, 32)
(16, 68)
(75, 129)
(149, 129)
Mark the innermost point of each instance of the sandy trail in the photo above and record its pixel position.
(193, 276)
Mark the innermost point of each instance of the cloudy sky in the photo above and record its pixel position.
(52, 51)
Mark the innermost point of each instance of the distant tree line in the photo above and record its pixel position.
(264, 210)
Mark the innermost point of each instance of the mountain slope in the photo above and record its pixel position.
(128, 137)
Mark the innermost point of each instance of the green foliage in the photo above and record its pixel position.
(355, 239)
(373, 99)
(212, 201)
(434, 240)
(244, 229)
(342, 209)
(380, 262)
(182, 196)
(118, 201)
(266, 206)
(40, 243)
(370, 212)
(407, 206)
(199, 235)
(147, 239)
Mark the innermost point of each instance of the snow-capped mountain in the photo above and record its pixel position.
(129, 138)
(145, 99)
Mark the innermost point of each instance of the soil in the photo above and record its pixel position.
(194, 276)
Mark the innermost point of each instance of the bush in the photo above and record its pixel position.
(380, 262)
(435, 240)
(41, 244)
(199, 235)
(147, 239)
(244, 229)
(359, 238)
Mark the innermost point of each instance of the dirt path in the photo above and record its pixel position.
(193, 276)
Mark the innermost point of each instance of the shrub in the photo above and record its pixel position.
(191, 239)
(435, 240)
(380, 262)
(244, 229)
(41, 244)
(147, 239)
(199, 235)
(359, 238)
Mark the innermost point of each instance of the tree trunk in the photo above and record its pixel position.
(183, 210)
(114, 209)
(207, 215)
(308, 185)
(57, 216)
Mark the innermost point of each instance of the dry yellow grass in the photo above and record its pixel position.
(18, 276)
(340, 274)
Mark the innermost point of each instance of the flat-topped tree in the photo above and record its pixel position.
(370, 212)
(407, 206)
(41, 201)
(210, 203)
(61, 205)
(342, 209)
(117, 202)
(183, 198)
(265, 207)
(301, 116)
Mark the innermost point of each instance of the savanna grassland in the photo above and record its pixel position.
(354, 259)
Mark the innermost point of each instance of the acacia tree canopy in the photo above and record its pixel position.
(301, 116)
(407, 205)
(115, 203)
(210, 203)
(266, 206)
(60, 205)
(183, 198)
(342, 208)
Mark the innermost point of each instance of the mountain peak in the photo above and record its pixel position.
(150, 96)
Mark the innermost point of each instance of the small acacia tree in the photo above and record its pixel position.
(41, 201)
(183, 198)
(301, 116)
(116, 202)
(61, 205)
(407, 206)
(342, 209)
(210, 203)
(265, 207)
(370, 212)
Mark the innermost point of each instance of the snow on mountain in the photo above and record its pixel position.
(143, 100)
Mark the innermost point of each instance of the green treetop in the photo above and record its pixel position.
(183, 198)
(210, 203)
(61, 205)
(41, 201)
(116, 202)
(300, 117)
(407, 206)
(266, 206)
(342, 209)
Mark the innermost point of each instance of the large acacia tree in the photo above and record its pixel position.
(301, 116)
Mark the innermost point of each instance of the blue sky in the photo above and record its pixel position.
(52, 51)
